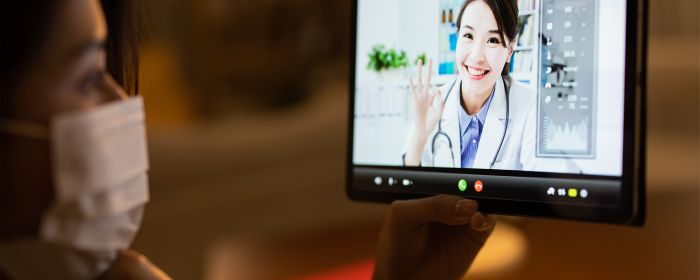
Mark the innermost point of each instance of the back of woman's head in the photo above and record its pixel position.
(23, 25)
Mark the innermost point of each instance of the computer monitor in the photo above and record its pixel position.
(531, 107)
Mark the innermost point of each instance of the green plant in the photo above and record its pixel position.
(421, 58)
(381, 59)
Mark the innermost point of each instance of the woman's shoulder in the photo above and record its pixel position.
(521, 88)
(522, 93)
(444, 88)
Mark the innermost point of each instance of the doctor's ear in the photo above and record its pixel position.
(510, 51)
(511, 46)
(515, 41)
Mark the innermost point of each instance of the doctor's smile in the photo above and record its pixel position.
(476, 73)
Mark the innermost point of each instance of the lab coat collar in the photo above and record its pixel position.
(451, 121)
(493, 128)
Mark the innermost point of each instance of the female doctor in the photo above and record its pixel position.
(477, 120)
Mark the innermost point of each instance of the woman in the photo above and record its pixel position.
(70, 208)
(73, 173)
(478, 120)
(62, 73)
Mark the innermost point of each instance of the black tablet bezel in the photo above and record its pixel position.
(631, 210)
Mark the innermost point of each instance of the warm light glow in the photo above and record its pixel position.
(503, 251)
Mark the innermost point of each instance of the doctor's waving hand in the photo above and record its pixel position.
(481, 119)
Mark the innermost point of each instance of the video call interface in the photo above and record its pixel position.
(564, 104)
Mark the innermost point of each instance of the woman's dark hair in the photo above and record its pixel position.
(506, 14)
(24, 26)
(122, 46)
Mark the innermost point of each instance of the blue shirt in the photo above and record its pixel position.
(470, 128)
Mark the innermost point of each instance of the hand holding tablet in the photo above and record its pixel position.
(435, 237)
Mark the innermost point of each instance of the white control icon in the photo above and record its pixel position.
(583, 193)
(550, 191)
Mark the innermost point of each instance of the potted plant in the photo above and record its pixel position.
(390, 64)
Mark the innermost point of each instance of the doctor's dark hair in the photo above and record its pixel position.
(25, 24)
(506, 14)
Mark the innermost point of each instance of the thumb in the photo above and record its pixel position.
(446, 209)
(482, 226)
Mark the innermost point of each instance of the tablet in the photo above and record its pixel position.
(531, 107)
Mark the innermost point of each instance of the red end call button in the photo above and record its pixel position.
(478, 186)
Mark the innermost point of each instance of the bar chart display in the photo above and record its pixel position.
(567, 84)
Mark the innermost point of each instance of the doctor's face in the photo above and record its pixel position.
(481, 55)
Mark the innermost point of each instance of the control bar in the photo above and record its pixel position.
(579, 192)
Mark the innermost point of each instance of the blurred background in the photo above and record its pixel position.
(247, 105)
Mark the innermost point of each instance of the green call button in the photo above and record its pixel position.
(462, 185)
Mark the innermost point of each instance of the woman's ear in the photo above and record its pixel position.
(511, 47)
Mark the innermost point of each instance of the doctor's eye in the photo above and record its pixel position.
(468, 36)
(493, 42)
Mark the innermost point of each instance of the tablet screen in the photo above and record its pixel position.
(507, 101)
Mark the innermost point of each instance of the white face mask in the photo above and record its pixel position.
(99, 161)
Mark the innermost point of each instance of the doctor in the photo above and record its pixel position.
(479, 119)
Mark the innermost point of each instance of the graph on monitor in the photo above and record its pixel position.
(566, 137)
(567, 84)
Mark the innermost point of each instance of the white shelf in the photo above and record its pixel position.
(527, 63)
(523, 75)
(527, 13)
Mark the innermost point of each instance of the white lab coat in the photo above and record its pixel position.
(518, 150)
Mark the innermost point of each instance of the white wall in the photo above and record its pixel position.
(382, 103)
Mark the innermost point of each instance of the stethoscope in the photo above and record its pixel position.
(440, 133)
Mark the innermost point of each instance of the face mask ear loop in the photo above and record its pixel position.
(24, 129)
